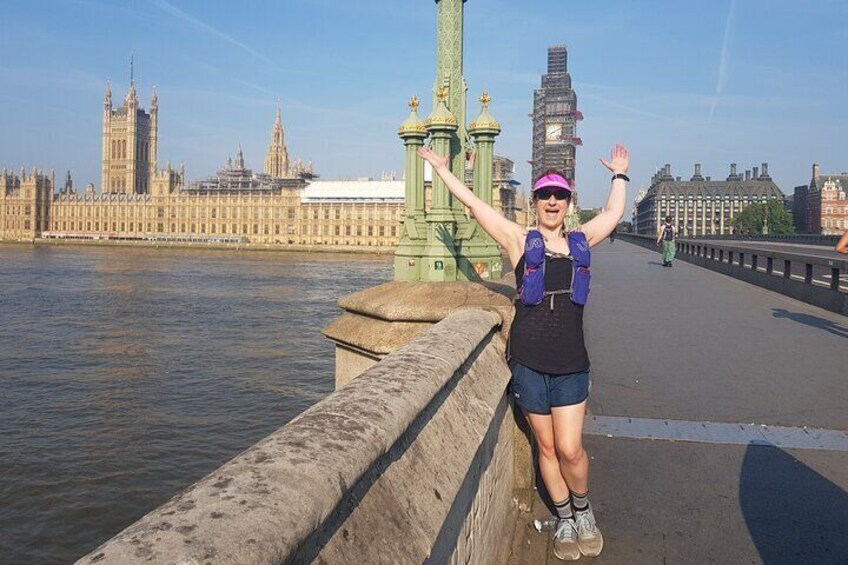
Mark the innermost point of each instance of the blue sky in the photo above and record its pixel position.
(679, 82)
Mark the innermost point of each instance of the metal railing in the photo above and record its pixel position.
(763, 260)
(811, 278)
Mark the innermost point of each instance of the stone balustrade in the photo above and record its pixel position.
(411, 462)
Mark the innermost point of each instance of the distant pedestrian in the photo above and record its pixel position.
(612, 236)
(667, 236)
(842, 244)
(547, 352)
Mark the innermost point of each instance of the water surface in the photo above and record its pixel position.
(128, 374)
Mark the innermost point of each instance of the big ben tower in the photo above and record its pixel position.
(555, 116)
(130, 137)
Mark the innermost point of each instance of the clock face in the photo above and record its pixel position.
(553, 132)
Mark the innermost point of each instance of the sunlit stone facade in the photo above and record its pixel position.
(284, 205)
(702, 206)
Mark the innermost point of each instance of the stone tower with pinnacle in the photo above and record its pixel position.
(130, 139)
(277, 158)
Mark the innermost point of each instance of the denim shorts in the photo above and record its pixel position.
(539, 392)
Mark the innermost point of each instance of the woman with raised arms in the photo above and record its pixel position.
(546, 352)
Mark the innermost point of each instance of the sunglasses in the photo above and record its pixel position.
(545, 194)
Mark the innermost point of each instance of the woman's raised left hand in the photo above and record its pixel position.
(619, 160)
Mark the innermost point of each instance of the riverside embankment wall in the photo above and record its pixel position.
(411, 462)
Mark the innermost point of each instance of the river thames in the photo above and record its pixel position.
(128, 374)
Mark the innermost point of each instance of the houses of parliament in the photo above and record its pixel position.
(283, 205)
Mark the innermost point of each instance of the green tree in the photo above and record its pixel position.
(586, 215)
(751, 220)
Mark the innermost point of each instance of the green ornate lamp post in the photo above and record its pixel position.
(480, 257)
(440, 254)
(441, 243)
(413, 237)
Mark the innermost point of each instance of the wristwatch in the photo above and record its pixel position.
(621, 176)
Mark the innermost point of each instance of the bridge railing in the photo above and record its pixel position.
(411, 462)
(790, 273)
(808, 238)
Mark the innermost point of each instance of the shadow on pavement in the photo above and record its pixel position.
(810, 320)
(794, 514)
(657, 263)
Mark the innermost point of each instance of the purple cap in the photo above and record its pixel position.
(552, 181)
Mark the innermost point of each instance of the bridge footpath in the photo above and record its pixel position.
(677, 352)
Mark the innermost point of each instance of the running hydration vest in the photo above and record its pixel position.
(533, 279)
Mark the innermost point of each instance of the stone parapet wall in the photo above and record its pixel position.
(411, 462)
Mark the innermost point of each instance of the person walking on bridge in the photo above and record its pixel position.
(667, 236)
(546, 352)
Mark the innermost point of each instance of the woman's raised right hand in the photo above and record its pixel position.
(436, 161)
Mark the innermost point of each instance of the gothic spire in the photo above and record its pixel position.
(107, 96)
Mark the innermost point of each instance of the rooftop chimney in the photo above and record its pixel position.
(697, 175)
(765, 174)
(755, 175)
(815, 171)
(708, 179)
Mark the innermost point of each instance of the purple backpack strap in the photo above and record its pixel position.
(533, 279)
(581, 259)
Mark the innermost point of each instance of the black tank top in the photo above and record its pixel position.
(668, 233)
(548, 337)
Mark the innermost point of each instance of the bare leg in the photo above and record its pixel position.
(567, 423)
(549, 466)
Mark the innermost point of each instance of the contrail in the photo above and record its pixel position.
(174, 11)
(722, 67)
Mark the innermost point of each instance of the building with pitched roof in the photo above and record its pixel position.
(825, 203)
(702, 206)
